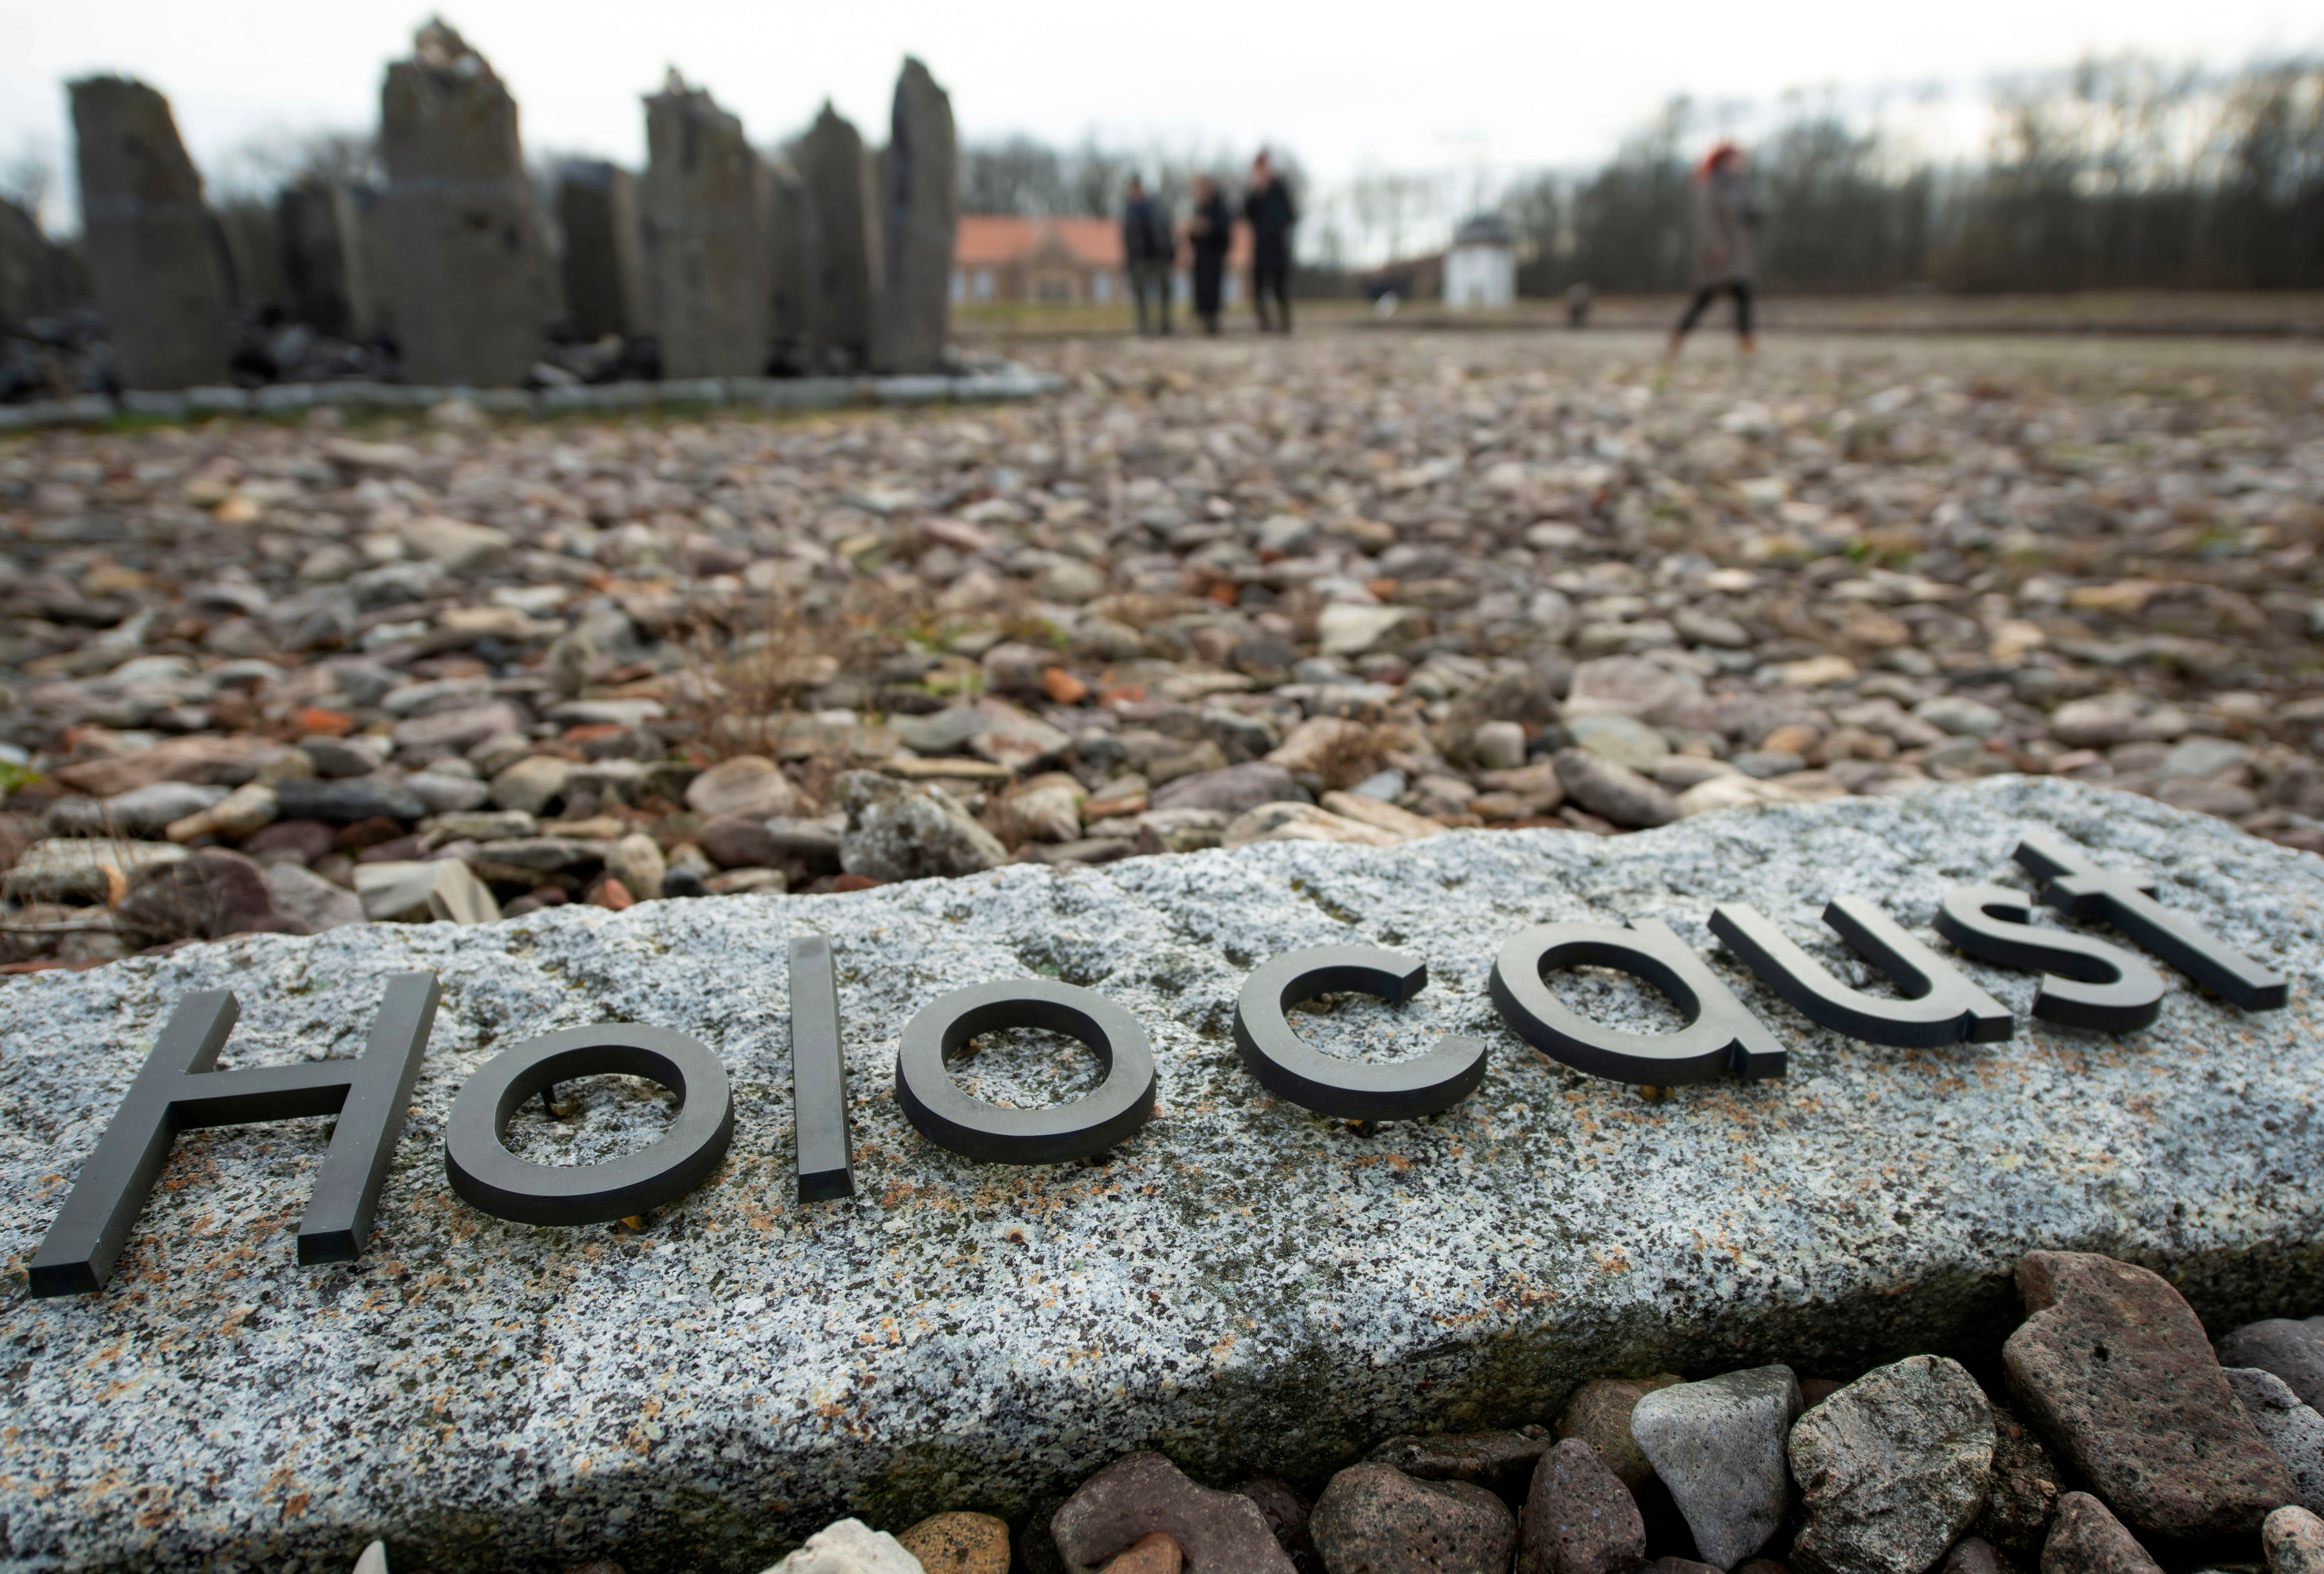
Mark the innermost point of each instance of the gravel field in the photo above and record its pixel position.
(1358, 586)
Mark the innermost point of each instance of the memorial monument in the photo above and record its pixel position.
(919, 210)
(701, 219)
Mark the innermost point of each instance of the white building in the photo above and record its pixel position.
(1480, 269)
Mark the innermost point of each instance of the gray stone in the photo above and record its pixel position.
(2200, 758)
(1891, 1469)
(140, 812)
(1961, 716)
(448, 794)
(749, 784)
(843, 293)
(344, 801)
(2293, 1542)
(919, 208)
(531, 784)
(309, 901)
(37, 276)
(900, 831)
(1623, 740)
(1719, 1446)
(1498, 745)
(455, 543)
(453, 731)
(1229, 791)
(2293, 1350)
(2085, 1539)
(463, 273)
(154, 253)
(847, 1546)
(943, 732)
(1613, 790)
(963, 1332)
(789, 268)
(348, 756)
(603, 270)
(315, 220)
(439, 890)
(2292, 1429)
(1500, 1462)
(1137, 1497)
(702, 220)
(636, 861)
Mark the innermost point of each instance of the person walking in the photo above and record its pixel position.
(1149, 247)
(1724, 219)
(1209, 233)
(1270, 212)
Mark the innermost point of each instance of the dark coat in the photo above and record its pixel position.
(1271, 213)
(1146, 232)
(1217, 233)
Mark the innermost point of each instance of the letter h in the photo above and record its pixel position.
(177, 1090)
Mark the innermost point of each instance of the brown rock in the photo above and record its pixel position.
(209, 761)
(1598, 1414)
(1579, 1518)
(959, 1543)
(1500, 1462)
(2113, 1367)
(1151, 1554)
(1288, 1514)
(1378, 1519)
(2022, 1496)
(2088, 1540)
(206, 896)
(1132, 1498)
(1970, 1555)
(2293, 1351)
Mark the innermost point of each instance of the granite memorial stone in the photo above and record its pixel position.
(704, 1386)
(919, 210)
(844, 287)
(604, 271)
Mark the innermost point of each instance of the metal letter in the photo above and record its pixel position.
(944, 1114)
(2089, 982)
(496, 1182)
(1721, 1034)
(2079, 888)
(1351, 1089)
(823, 1148)
(1940, 1006)
(177, 1090)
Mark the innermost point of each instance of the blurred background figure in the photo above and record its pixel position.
(1577, 305)
(1148, 250)
(1724, 219)
(1270, 213)
(1209, 233)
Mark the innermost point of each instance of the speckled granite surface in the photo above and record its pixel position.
(1244, 1285)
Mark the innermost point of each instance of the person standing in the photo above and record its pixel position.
(1724, 219)
(1209, 233)
(1270, 213)
(1148, 249)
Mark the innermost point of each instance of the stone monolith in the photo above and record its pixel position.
(35, 273)
(315, 220)
(790, 250)
(919, 208)
(605, 274)
(843, 289)
(464, 275)
(702, 214)
(155, 254)
(254, 251)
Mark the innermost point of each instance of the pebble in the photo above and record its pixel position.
(959, 1543)
(898, 831)
(1138, 1496)
(1503, 1463)
(1578, 1517)
(2113, 1367)
(2292, 1540)
(2086, 1539)
(1377, 1519)
(1599, 1415)
(2022, 1494)
(2293, 1429)
(1719, 1446)
(1615, 792)
(2293, 1350)
(1891, 1469)
(849, 1546)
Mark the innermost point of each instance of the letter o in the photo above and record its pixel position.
(978, 1128)
(493, 1180)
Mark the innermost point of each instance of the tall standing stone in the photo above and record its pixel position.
(791, 249)
(919, 210)
(253, 250)
(464, 276)
(154, 252)
(35, 273)
(842, 289)
(314, 218)
(605, 273)
(703, 217)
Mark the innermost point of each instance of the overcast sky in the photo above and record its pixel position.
(1503, 83)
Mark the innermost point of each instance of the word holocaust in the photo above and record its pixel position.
(2087, 983)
